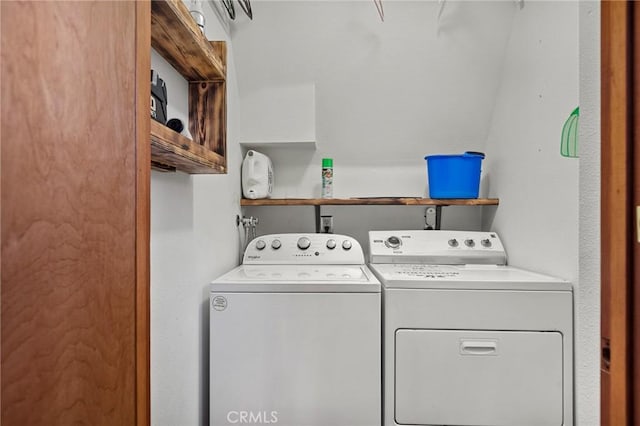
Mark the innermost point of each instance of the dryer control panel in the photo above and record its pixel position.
(437, 247)
(306, 249)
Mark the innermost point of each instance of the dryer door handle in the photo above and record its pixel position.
(478, 347)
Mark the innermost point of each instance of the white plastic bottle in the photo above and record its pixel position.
(195, 8)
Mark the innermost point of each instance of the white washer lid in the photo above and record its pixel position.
(479, 277)
(298, 279)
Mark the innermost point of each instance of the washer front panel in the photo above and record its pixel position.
(298, 359)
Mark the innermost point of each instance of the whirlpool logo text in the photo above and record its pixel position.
(252, 417)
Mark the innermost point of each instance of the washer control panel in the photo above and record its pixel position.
(311, 249)
(436, 247)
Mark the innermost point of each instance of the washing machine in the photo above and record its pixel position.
(467, 339)
(295, 335)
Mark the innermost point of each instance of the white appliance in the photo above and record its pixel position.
(468, 340)
(295, 335)
(257, 175)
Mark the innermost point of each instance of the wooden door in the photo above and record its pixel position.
(615, 207)
(74, 213)
(635, 213)
(620, 367)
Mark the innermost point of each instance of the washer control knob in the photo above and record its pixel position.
(486, 242)
(469, 243)
(453, 242)
(346, 244)
(304, 243)
(260, 244)
(393, 242)
(331, 244)
(276, 244)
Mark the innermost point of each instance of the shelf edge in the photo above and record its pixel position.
(312, 145)
(173, 149)
(404, 201)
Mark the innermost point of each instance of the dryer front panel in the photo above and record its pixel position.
(458, 377)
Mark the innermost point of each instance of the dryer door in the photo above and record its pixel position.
(457, 377)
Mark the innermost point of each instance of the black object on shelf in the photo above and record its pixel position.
(176, 125)
(158, 98)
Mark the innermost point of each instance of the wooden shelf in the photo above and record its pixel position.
(382, 201)
(175, 35)
(310, 145)
(177, 38)
(171, 148)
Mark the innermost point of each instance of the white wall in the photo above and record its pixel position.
(537, 187)
(194, 239)
(386, 95)
(588, 294)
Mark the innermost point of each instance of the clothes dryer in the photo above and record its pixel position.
(469, 340)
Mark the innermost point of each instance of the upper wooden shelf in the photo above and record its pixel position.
(381, 201)
(175, 35)
(177, 38)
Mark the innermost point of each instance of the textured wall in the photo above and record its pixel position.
(538, 188)
(194, 239)
(587, 298)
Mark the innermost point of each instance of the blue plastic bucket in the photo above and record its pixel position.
(454, 176)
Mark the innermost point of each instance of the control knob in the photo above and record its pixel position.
(469, 243)
(276, 244)
(393, 242)
(331, 244)
(486, 243)
(304, 243)
(346, 244)
(260, 244)
(453, 242)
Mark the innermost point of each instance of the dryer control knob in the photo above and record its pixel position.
(393, 242)
(453, 242)
(486, 243)
(331, 244)
(260, 244)
(304, 243)
(469, 243)
(276, 244)
(346, 244)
